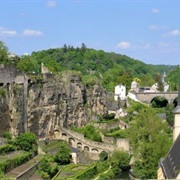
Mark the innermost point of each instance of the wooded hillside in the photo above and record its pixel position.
(95, 66)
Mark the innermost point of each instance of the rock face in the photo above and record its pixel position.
(53, 101)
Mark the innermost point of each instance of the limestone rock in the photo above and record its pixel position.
(52, 102)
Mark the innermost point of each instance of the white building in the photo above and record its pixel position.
(120, 92)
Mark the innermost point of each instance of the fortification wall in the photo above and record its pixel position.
(7, 74)
(80, 137)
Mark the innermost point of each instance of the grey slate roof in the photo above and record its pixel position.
(73, 149)
(177, 110)
(171, 164)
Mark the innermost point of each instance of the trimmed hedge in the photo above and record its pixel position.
(9, 164)
(6, 149)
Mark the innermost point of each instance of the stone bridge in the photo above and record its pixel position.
(78, 141)
(147, 97)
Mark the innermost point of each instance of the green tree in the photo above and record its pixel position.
(173, 77)
(27, 64)
(7, 135)
(150, 140)
(83, 47)
(169, 114)
(119, 161)
(126, 78)
(63, 155)
(146, 79)
(45, 165)
(3, 53)
(158, 79)
(26, 141)
(53, 66)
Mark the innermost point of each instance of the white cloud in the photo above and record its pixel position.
(30, 32)
(174, 32)
(51, 3)
(155, 11)
(6, 32)
(124, 45)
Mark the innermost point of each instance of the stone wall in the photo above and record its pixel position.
(123, 143)
(8, 74)
(45, 105)
(77, 138)
(28, 172)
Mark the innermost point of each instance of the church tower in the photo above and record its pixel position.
(176, 111)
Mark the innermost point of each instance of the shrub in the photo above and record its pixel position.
(45, 166)
(119, 161)
(63, 155)
(6, 149)
(26, 141)
(7, 135)
(9, 164)
(44, 175)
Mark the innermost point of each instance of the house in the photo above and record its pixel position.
(169, 167)
(120, 92)
(74, 155)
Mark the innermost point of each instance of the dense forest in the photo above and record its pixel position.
(95, 66)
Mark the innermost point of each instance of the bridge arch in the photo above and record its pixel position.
(94, 150)
(56, 133)
(86, 148)
(79, 145)
(147, 97)
(103, 155)
(64, 136)
(72, 141)
(159, 101)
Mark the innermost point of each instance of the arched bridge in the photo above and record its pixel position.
(147, 97)
(78, 141)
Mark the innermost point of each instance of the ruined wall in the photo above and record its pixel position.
(50, 103)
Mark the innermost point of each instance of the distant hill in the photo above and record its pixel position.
(98, 66)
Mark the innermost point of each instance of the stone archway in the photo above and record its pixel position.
(159, 102)
(56, 133)
(64, 136)
(86, 148)
(79, 145)
(94, 150)
(72, 142)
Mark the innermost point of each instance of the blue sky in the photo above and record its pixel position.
(147, 30)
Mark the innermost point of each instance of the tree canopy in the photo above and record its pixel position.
(96, 66)
(150, 139)
(3, 53)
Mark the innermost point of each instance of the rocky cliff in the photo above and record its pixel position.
(43, 105)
